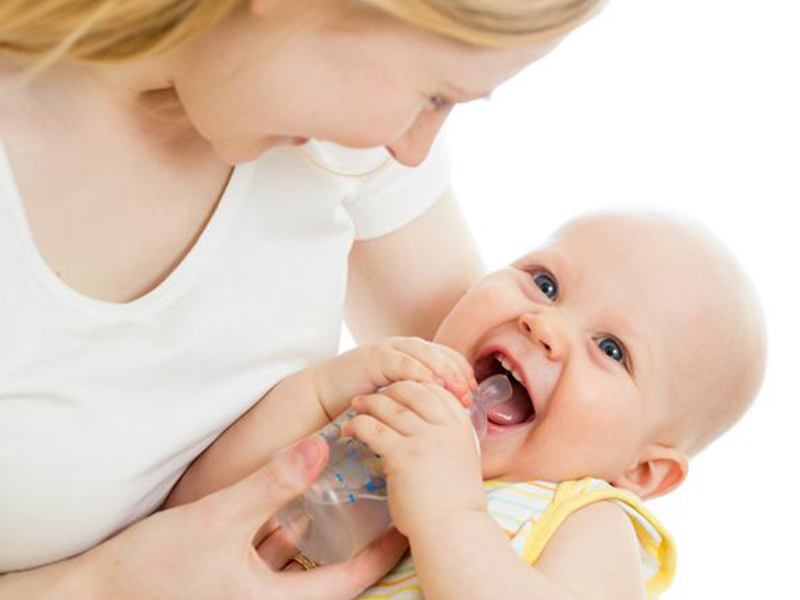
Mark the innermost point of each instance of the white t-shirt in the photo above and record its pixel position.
(103, 405)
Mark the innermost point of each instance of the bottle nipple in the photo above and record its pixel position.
(493, 390)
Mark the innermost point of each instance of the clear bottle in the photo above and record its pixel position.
(347, 507)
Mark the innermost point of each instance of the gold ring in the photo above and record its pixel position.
(305, 562)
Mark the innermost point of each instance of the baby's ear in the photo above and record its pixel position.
(659, 471)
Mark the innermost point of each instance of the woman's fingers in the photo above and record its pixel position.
(277, 550)
(345, 580)
(252, 501)
(293, 567)
(204, 550)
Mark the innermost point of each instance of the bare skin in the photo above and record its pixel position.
(628, 375)
(157, 139)
(156, 124)
(639, 341)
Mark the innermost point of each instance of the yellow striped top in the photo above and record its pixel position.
(529, 513)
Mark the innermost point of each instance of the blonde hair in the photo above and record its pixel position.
(500, 23)
(114, 30)
(104, 30)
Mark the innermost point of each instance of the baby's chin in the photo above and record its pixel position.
(496, 467)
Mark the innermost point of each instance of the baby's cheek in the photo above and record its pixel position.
(600, 425)
(478, 312)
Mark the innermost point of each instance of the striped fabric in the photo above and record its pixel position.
(529, 513)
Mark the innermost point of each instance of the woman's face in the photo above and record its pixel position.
(260, 80)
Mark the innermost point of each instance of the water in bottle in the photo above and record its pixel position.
(347, 507)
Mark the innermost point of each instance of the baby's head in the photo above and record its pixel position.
(638, 340)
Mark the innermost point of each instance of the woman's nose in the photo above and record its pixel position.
(412, 148)
(549, 331)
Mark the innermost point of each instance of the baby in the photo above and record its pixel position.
(632, 341)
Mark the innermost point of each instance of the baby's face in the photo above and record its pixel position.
(596, 326)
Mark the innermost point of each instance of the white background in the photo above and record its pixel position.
(690, 105)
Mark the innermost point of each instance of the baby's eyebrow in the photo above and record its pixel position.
(557, 262)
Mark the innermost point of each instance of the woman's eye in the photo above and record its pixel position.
(439, 103)
(547, 285)
(612, 348)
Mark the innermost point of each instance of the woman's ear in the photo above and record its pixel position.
(657, 472)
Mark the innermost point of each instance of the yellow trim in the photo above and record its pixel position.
(494, 484)
(388, 594)
(395, 581)
(574, 495)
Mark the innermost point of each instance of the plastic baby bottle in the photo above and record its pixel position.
(347, 507)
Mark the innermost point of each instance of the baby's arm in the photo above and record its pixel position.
(309, 399)
(593, 555)
(437, 500)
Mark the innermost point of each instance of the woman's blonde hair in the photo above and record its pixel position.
(113, 30)
(493, 22)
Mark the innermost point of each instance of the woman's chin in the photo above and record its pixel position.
(236, 152)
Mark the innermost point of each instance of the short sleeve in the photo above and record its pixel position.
(387, 195)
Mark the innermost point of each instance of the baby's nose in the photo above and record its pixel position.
(549, 331)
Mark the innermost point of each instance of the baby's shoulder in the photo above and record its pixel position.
(584, 515)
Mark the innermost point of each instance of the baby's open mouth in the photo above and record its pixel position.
(519, 408)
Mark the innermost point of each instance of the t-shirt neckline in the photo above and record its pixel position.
(167, 290)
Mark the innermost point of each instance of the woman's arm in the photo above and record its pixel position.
(66, 580)
(404, 283)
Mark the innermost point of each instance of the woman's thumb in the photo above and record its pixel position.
(259, 496)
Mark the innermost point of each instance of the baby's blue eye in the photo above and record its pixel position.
(547, 284)
(611, 347)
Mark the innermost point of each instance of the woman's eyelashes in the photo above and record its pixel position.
(439, 103)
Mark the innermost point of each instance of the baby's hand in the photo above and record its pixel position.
(428, 451)
(373, 366)
(416, 359)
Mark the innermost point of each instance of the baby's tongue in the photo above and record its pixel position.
(516, 409)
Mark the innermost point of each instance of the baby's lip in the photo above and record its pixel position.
(493, 350)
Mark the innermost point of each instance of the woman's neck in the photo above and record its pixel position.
(142, 88)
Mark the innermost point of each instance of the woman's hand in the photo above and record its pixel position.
(207, 549)
(427, 447)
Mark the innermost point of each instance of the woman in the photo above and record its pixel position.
(153, 291)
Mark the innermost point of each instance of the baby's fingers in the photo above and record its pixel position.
(397, 364)
(427, 402)
(381, 438)
(388, 411)
(452, 370)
